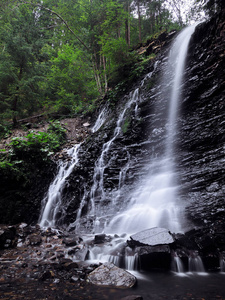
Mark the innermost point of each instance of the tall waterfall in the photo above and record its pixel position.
(155, 201)
(52, 201)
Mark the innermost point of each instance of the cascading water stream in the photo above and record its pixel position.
(102, 163)
(52, 202)
(154, 201)
(195, 263)
(100, 120)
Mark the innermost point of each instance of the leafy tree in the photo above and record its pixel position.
(70, 84)
(60, 55)
(20, 68)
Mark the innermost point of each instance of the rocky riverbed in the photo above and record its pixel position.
(37, 264)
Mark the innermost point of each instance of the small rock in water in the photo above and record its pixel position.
(99, 238)
(70, 242)
(110, 275)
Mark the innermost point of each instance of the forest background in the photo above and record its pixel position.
(62, 56)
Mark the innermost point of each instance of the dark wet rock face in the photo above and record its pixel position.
(20, 198)
(202, 128)
(7, 236)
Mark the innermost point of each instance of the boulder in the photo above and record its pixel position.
(152, 237)
(109, 275)
(7, 236)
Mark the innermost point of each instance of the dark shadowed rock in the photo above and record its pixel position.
(99, 238)
(70, 241)
(153, 236)
(7, 236)
(110, 275)
(132, 297)
(35, 239)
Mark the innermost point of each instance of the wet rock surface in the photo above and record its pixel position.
(49, 269)
(201, 126)
(43, 265)
(109, 275)
(153, 236)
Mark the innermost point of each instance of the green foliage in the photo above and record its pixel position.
(69, 85)
(55, 129)
(20, 68)
(126, 125)
(114, 95)
(59, 56)
(39, 145)
(13, 169)
(5, 130)
(16, 163)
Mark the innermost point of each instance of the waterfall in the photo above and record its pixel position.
(222, 262)
(97, 189)
(131, 259)
(153, 198)
(52, 201)
(177, 264)
(100, 120)
(195, 263)
(154, 201)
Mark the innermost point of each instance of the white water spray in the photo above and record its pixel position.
(52, 202)
(155, 200)
(195, 263)
(97, 189)
(100, 120)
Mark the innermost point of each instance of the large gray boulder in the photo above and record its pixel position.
(110, 275)
(151, 237)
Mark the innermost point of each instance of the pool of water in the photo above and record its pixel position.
(181, 286)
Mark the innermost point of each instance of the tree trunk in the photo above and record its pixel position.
(96, 72)
(139, 20)
(105, 75)
(15, 101)
(127, 24)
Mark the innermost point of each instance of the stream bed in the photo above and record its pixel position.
(154, 286)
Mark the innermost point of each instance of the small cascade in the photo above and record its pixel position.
(149, 75)
(52, 202)
(100, 120)
(177, 264)
(108, 252)
(97, 189)
(222, 262)
(123, 172)
(131, 260)
(195, 263)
